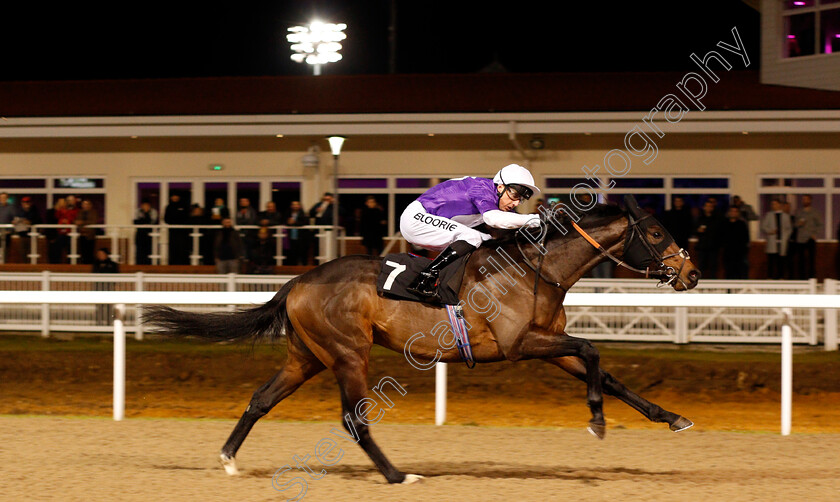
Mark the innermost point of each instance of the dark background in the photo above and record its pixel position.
(158, 40)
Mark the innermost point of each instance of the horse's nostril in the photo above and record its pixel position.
(694, 275)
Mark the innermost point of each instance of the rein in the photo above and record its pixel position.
(667, 275)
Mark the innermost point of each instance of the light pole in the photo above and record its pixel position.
(316, 43)
(336, 142)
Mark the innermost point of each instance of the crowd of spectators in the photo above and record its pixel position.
(78, 215)
(718, 234)
(723, 237)
(233, 248)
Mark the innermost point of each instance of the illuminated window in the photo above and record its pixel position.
(810, 27)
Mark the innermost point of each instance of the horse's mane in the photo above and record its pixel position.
(600, 214)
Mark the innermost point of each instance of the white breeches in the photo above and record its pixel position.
(435, 232)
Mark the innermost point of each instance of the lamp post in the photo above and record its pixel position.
(336, 142)
(316, 43)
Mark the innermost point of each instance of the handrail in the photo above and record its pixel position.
(160, 239)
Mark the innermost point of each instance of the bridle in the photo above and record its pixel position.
(667, 275)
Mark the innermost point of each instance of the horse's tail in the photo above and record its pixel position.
(266, 321)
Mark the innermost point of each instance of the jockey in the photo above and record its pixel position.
(444, 216)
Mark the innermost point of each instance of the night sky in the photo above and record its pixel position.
(156, 40)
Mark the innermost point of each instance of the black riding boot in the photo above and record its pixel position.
(425, 284)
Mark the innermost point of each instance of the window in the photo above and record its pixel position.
(824, 192)
(810, 27)
(46, 190)
(283, 193)
(654, 193)
(830, 31)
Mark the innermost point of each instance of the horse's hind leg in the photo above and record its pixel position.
(300, 366)
(613, 387)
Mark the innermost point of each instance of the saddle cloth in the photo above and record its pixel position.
(399, 269)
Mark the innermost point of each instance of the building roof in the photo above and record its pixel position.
(350, 94)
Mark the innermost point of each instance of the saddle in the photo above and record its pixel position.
(400, 269)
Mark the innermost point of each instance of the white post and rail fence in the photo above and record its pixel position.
(119, 299)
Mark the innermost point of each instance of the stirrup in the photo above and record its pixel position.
(422, 287)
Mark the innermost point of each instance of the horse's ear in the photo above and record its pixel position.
(631, 206)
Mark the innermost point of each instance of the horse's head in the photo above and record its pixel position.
(648, 246)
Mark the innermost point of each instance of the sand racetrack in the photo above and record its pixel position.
(515, 431)
(69, 459)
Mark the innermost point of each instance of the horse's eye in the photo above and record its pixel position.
(657, 235)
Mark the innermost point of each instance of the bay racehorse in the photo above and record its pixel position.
(332, 315)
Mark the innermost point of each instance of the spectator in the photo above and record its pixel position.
(789, 260)
(54, 244)
(777, 229)
(708, 240)
(322, 212)
(715, 207)
(247, 215)
(87, 216)
(8, 213)
(196, 218)
(179, 238)
(298, 239)
(735, 237)
(263, 253)
(678, 221)
(373, 224)
(218, 211)
(145, 215)
(746, 210)
(67, 216)
(102, 264)
(28, 215)
(271, 217)
(215, 214)
(808, 226)
(228, 248)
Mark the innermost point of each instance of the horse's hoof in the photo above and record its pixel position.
(681, 424)
(229, 463)
(412, 478)
(597, 430)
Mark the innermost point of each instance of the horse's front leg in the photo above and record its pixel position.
(540, 343)
(612, 387)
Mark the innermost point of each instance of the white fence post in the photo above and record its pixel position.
(440, 393)
(33, 245)
(74, 246)
(119, 362)
(156, 248)
(195, 246)
(114, 234)
(830, 335)
(787, 371)
(681, 325)
(45, 307)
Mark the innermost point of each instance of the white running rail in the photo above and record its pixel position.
(119, 299)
